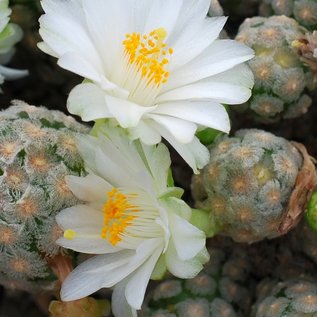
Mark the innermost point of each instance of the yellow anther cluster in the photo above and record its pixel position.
(117, 216)
(150, 54)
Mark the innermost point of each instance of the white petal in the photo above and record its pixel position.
(159, 162)
(195, 154)
(188, 46)
(46, 49)
(115, 159)
(215, 91)
(101, 17)
(240, 75)
(188, 240)
(122, 166)
(90, 244)
(145, 250)
(88, 102)
(105, 270)
(113, 172)
(63, 29)
(192, 12)
(185, 269)
(75, 63)
(95, 273)
(163, 13)
(145, 133)
(91, 188)
(182, 130)
(208, 114)
(176, 206)
(119, 304)
(137, 284)
(126, 112)
(87, 147)
(220, 56)
(10, 73)
(81, 218)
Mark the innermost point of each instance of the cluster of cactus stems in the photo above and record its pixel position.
(37, 150)
(293, 297)
(303, 11)
(256, 187)
(282, 80)
(219, 290)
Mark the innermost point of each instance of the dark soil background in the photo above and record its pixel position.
(49, 85)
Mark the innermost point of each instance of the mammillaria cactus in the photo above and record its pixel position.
(303, 11)
(282, 81)
(37, 150)
(255, 186)
(293, 297)
(219, 290)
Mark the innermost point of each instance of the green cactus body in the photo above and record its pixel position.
(219, 290)
(37, 151)
(295, 297)
(303, 11)
(247, 184)
(282, 81)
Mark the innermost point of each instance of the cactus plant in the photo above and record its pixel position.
(282, 81)
(37, 149)
(293, 297)
(219, 290)
(303, 11)
(247, 185)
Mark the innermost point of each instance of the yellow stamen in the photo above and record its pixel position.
(149, 54)
(118, 215)
(70, 234)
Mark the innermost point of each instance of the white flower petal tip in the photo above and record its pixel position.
(162, 68)
(129, 217)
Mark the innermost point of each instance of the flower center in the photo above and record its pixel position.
(149, 54)
(118, 215)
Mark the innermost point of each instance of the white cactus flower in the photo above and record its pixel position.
(10, 34)
(156, 67)
(129, 217)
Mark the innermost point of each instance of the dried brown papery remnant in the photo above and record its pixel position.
(307, 50)
(306, 182)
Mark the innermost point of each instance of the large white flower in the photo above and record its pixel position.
(155, 66)
(10, 34)
(129, 217)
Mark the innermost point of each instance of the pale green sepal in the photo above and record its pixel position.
(172, 192)
(160, 269)
(203, 256)
(97, 126)
(170, 179)
(202, 220)
(208, 135)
